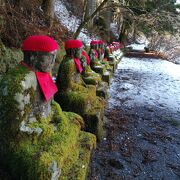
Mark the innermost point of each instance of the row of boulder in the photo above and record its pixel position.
(48, 129)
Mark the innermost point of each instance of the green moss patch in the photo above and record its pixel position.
(52, 152)
(9, 58)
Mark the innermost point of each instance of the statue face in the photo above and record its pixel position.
(40, 61)
(74, 53)
(78, 53)
(83, 62)
(95, 46)
(46, 63)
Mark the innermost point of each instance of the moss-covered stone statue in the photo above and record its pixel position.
(38, 140)
(96, 63)
(102, 59)
(112, 60)
(91, 77)
(93, 53)
(73, 94)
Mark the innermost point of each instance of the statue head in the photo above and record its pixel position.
(40, 52)
(74, 48)
(95, 44)
(100, 42)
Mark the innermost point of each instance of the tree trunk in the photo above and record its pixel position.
(48, 8)
(83, 23)
(2, 2)
(122, 34)
(85, 10)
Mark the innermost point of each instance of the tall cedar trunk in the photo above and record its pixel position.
(48, 8)
(85, 9)
(83, 23)
(122, 34)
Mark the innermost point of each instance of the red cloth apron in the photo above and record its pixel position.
(87, 57)
(96, 53)
(78, 65)
(47, 86)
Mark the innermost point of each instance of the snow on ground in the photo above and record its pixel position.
(137, 46)
(114, 29)
(142, 42)
(71, 21)
(152, 82)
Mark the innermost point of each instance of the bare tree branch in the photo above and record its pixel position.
(83, 23)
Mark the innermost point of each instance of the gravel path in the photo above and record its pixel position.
(143, 128)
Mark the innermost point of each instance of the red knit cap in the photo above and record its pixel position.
(94, 42)
(39, 44)
(115, 42)
(73, 43)
(101, 42)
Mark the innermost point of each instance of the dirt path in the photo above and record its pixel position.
(143, 131)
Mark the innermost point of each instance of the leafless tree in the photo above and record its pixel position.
(88, 18)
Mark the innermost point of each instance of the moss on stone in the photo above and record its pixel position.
(9, 87)
(91, 77)
(107, 66)
(102, 90)
(107, 77)
(33, 159)
(9, 58)
(32, 155)
(65, 80)
(78, 102)
(100, 69)
(60, 54)
(74, 95)
(80, 168)
(91, 80)
(113, 64)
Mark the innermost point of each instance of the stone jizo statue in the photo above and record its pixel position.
(73, 93)
(35, 134)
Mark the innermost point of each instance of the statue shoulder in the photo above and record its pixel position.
(67, 65)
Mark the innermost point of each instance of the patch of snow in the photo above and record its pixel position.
(71, 22)
(178, 10)
(177, 2)
(152, 82)
(142, 40)
(137, 46)
(114, 29)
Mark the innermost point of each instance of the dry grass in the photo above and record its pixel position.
(17, 23)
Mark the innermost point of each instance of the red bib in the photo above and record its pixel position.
(87, 57)
(96, 53)
(78, 65)
(102, 51)
(47, 86)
